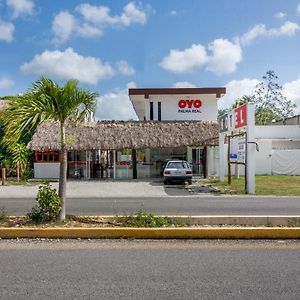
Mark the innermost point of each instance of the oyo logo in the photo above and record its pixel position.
(189, 103)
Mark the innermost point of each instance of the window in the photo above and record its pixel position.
(151, 110)
(47, 156)
(159, 111)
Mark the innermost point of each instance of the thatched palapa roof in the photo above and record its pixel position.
(107, 135)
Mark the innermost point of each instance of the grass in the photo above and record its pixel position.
(265, 185)
(143, 219)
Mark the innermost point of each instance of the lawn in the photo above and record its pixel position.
(280, 185)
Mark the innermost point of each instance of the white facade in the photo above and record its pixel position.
(192, 105)
(179, 104)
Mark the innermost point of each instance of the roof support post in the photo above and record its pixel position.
(134, 167)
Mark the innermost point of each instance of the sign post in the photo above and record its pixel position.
(239, 124)
(250, 150)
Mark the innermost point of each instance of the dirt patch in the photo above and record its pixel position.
(72, 221)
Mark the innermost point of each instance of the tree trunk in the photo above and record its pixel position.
(18, 173)
(63, 171)
(3, 176)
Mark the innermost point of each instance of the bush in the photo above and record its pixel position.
(143, 219)
(48, 207)
(3, 214)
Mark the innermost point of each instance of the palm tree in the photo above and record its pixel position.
(46, 100)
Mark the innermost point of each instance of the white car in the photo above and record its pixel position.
(178, 170)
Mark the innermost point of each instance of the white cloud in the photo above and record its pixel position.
(236, 89)
(286, 29)
(280, 15)
(186, 60)
(20, 7)
(292, 92)
(93, 20)
(183, 84)
(68, 64)
(116, 105)
(124, 68)
(99, 15)
(6, 31)
(88, 31)
(6, 83)
(63, 26)
(132, 14)
(173, 13)
(224, 57)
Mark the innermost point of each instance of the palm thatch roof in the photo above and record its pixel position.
(107, 135)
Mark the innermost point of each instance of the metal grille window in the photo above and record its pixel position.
(159, 111)
(151, 110)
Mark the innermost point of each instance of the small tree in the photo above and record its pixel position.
(270, 102)
(47, 100)
(20, 158)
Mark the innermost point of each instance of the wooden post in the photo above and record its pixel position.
(228, 162)
(114, 164)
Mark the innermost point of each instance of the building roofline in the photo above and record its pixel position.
(218, 91)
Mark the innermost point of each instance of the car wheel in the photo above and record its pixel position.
(165, 182)
(189, 181)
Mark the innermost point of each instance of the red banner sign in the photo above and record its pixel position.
(241, 116)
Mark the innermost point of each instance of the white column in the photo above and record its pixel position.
(210, 161)
(221, 157)
(251, 148)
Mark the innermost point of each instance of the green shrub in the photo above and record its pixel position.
(48, 207)
(143, 219)
(3, 214)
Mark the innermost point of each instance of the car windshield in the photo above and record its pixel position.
(177, 165)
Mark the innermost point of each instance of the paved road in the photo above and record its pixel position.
(170, 205)
(149, 270)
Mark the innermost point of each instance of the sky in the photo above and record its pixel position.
(109, 46)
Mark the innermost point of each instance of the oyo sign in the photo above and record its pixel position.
(189, 106)
(189, 103)
(235, 119)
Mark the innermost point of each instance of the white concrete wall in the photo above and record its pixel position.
(169, 107)
(277, 132)
(46, 170)
(263, 158)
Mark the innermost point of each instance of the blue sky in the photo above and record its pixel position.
(112, 45)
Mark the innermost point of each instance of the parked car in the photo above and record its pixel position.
(178, 170)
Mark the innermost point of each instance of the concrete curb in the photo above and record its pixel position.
(152, 233)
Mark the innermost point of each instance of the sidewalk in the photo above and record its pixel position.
(89, 189)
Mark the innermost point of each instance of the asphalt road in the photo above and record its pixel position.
(149, 269)
(170, 205)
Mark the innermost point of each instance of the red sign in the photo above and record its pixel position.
(189, 103)
(241, 116)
